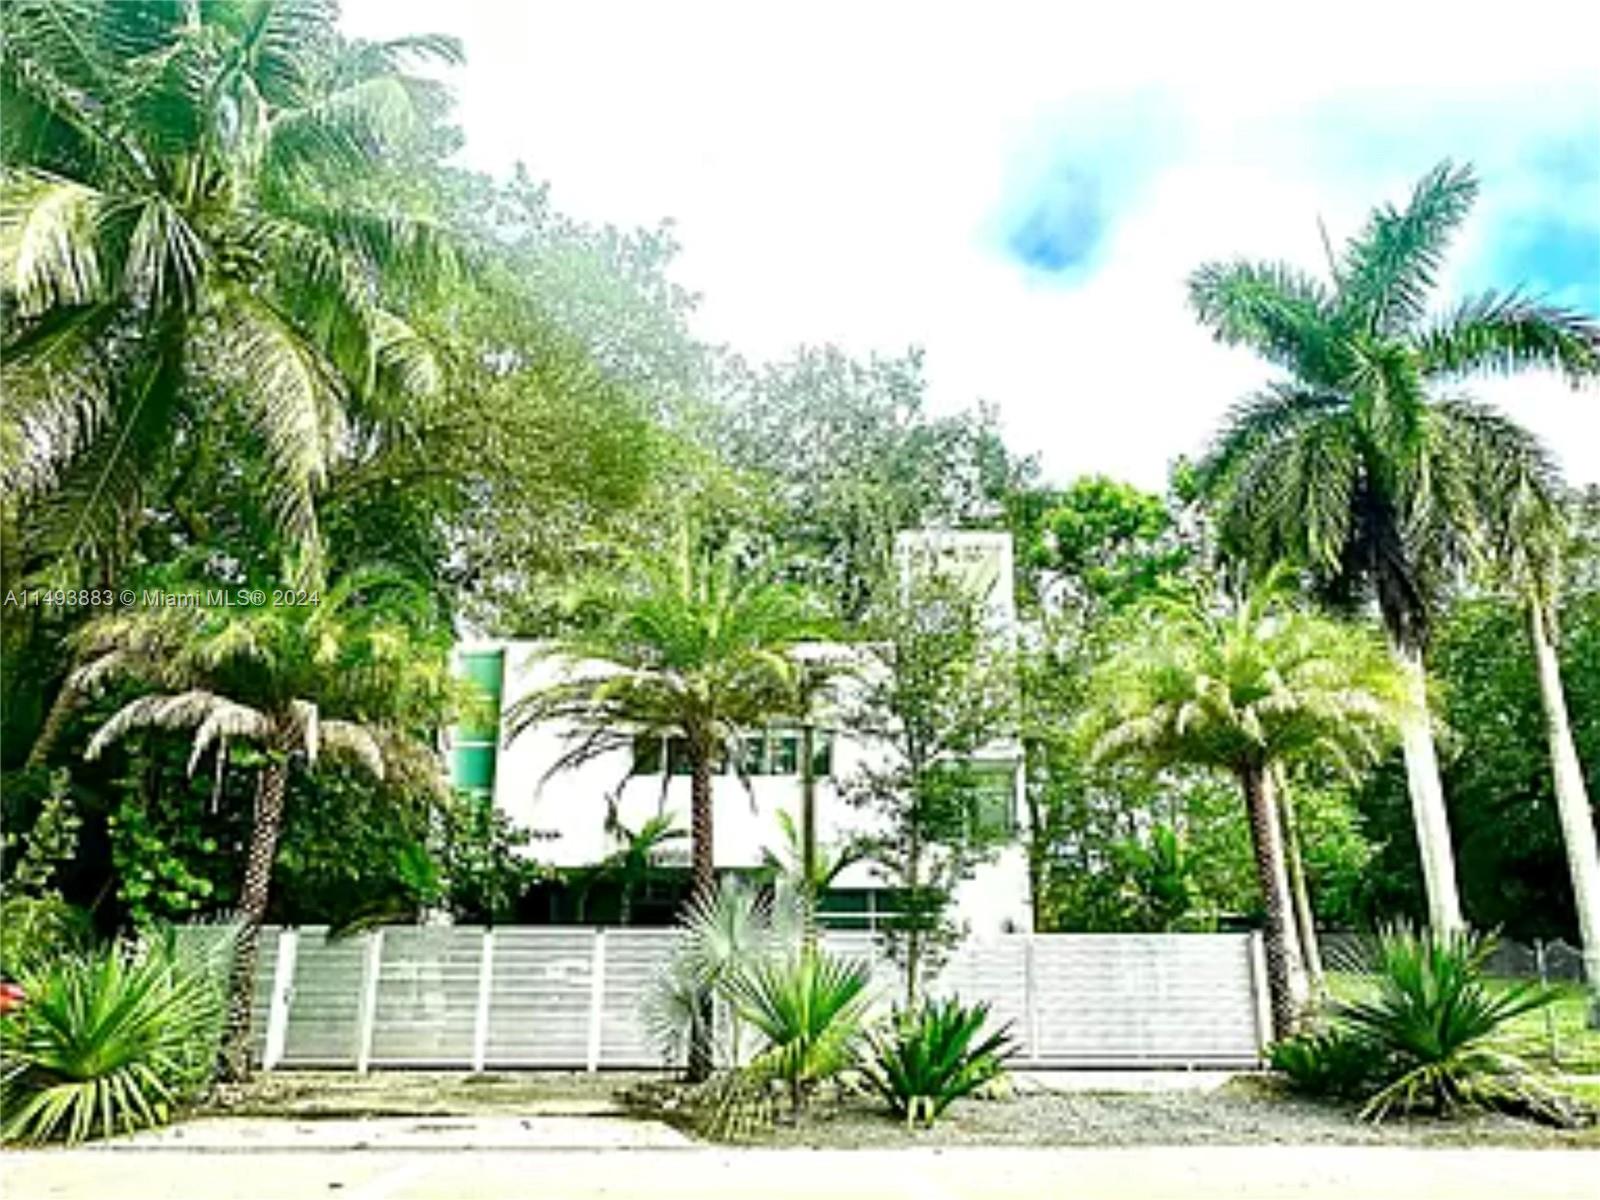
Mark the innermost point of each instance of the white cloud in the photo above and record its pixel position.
(834, 171)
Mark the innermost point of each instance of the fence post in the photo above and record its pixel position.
(597, 997)
(368, 1013)
(1258, 980)
(480, 1026)
(1030, 995)
(278, 999)
(1549, 1009)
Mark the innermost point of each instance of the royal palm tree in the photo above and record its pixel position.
(1243, 692)
(1531, 534)
(354, 676)
(689, 644)
(186, 214)
(1358, 464)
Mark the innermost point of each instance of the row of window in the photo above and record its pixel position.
(773, 753)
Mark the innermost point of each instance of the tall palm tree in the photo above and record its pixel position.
(690, 644)
(351, 676)
(1531, 537)
(1243, 692)
(1358, 464)
(186, 212)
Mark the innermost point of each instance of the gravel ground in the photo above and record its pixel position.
(1243, 1113)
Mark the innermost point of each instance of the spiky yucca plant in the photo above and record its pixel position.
(932, 1056)
(1431, 1021)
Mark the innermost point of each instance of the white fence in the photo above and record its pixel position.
(542, 996)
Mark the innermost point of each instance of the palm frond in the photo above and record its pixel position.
(1391, 266)
(1509, 333)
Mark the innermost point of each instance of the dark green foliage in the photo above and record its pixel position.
(114, 1038)
(1336, 1065)
(934, 1055)
(1421, 1036)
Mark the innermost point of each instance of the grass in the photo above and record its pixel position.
(1556, 1038)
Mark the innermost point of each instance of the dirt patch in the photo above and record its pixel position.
(427, 1093)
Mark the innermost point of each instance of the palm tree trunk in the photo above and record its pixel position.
(1285, 973)
(1427, 794)
(1572, 803)
(808, 834)
(704, 882)
(253, 893)
(1305, 917)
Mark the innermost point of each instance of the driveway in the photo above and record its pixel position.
(1176, 1173)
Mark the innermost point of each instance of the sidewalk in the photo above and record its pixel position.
(1166, 1173)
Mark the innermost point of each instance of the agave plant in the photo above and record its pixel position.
(113, 1039)
(808, 1008)
(1431, 1023)
(931, 1057)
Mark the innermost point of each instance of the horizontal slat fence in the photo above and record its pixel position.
(573, 998)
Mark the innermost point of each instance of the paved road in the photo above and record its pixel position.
(1205, 1173)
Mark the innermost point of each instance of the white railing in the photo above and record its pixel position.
(570, 997)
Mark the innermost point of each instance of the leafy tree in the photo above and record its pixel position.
(173, 226)
(850, 458)
(1242, 692)
(349, 676)
(1357, 465)
(938, 691)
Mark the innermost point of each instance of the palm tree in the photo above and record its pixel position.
(633, 863)
(689, 644)
(351, 677)
(1243, 692)
(1357, 465)
(1530, 536)
(182, 219)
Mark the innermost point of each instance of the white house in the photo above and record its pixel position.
(568, 807)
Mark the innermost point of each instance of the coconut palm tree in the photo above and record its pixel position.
(186, 214)
(352, 676)
(1242, 692)
(689, 644)
(1358, 464)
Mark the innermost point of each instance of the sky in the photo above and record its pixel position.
(1023, 189)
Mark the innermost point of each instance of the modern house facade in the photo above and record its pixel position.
(575, 812)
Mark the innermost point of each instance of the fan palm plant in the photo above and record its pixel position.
(112, 1038)
(181, 217)
(1358, 464)
(1241, 692)
(353, 677)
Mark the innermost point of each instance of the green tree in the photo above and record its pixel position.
(1242, 692)
(1358, 465)
(938, 691)
(351, 676)
(692, 643)
(847, 457)
(176, 225)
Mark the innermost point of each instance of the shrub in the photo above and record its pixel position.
(931, 1057)
(808, 1009)
(112, 1039)
(1328, 1063)
(1424, 1036)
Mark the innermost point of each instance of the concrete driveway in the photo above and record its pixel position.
(1179, 1173)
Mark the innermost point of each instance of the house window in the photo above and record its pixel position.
(475, 743)
(861, 909)
(785, 754)
(993, 804)
(753, 755)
